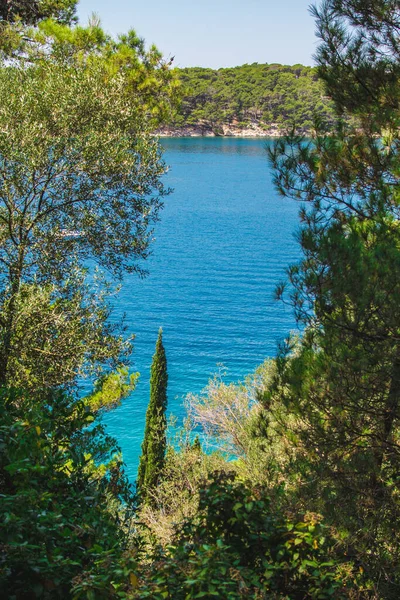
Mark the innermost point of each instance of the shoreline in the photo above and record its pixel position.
(232, 131)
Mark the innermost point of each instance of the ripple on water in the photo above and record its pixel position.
(223, 243)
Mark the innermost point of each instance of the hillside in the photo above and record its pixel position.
(256, 99)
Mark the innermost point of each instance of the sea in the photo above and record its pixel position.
(223, 243)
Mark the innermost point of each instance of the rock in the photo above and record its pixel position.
(225, 130)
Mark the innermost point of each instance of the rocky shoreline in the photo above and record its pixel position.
(228, 130)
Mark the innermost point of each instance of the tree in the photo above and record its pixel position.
(80, 181)
(343, 380)
(65, 503)
(154, 443)
(80, 187)
(17, 17)
(31, 12)
(258, 93)
(236, 546)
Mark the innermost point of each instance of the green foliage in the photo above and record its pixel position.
(17, 17)
(316, 430)
(80, 184)
(80, 178)
(31, 12)
(341, 383)
(59, 334)
(236, 547)
(64, 500)
(176, 496)
(154, 444)
(231, 416)
(196, 446)
(267, 95)
(359, 57)
(111, 389)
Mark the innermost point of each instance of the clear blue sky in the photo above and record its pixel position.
(214, 33)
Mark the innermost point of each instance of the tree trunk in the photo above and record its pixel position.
(9, 322)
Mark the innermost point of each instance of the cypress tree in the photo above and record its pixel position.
(153, 448)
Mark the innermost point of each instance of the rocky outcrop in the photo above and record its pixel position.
(224, 130)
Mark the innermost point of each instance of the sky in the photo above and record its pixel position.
(214, 33)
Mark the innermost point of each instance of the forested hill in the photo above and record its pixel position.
(257, 99)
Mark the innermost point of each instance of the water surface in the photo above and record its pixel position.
(223, 243)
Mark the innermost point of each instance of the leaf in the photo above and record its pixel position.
(298, 541)
(133, 580)
(310, 563)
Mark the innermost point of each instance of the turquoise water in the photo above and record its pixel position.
(224, 240)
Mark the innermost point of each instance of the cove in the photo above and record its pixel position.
(223, 243)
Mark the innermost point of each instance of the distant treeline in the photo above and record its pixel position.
(266, 95)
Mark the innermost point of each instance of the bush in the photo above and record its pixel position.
(235, 547)
(62, 502)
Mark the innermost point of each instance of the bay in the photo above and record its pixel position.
(223, 243)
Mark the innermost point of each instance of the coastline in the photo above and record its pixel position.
(204, 130)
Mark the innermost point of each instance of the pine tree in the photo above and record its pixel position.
(343, 380)
(153, 448)
(30, 12)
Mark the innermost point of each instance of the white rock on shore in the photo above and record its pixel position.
(231, 130)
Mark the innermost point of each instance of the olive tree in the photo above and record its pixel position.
(80, 188)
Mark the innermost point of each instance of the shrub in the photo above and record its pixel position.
(235, 547)
(62, 502)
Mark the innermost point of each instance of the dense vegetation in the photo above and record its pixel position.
(80, 184)
(283, 487)
(268, 96)
(64, 528)
(318, 426)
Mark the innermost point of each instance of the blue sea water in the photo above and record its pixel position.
(223, 243)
